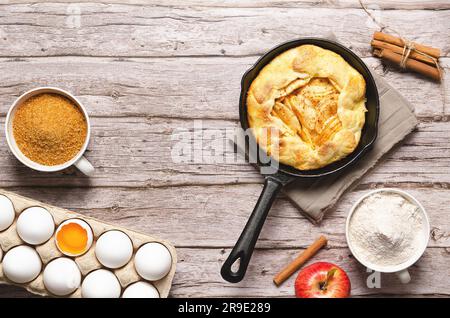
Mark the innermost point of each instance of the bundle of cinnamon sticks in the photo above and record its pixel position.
(409, 55)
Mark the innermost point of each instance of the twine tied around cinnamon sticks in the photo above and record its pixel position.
(409, 46)
(407, 54)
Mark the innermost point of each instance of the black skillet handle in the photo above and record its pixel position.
(243, 249)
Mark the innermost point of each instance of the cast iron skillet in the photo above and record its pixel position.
(273, 183)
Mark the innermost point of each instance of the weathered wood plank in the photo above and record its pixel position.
(181, 87)
(91, 29)
(215, 215)
(198, 275)
(336, 4)
(136, 152)
(185, 87)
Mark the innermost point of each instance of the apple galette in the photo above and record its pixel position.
(306, 108)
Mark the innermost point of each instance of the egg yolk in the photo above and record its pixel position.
(72, 238)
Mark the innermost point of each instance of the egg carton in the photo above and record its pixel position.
(86, 262)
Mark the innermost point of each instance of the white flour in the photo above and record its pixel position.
(386, 229)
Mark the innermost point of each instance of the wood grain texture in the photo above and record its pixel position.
(137, 152)
(335, 4)
(91, 29)
(177, 87)
(218, 213)
(145, 69)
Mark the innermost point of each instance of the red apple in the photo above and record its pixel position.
(322, 280)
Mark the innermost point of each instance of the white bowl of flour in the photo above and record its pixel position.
(387, 231)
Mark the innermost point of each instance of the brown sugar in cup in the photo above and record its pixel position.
(49, 129)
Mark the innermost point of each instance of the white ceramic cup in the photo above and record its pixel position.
(79, 161)
(402, 269)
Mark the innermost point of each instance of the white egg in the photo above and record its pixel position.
(22, 264)
(7, 213)
(153, 261)
(62, 276)
(35, 225)
(114, 249)
(100, 284)
(140, 290)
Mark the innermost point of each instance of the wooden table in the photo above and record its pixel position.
(144, 71)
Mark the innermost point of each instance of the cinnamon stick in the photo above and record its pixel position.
(434, 52)
(411, 64)
(300, 260)
(397, 49)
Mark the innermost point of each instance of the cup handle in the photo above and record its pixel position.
(85, 166)
(404, 276)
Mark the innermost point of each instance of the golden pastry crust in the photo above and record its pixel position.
(306, 108)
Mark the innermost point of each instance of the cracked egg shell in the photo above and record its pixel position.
(74, 237)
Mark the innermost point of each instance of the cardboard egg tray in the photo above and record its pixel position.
(86, 262)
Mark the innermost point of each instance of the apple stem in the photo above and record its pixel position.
(330, 274)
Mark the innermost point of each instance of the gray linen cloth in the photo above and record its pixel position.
(315, 197)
